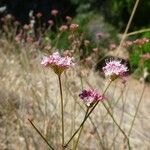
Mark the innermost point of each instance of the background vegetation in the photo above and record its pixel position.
(30, 91)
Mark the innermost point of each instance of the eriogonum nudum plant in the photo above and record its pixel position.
(89, 97)
(57, 62)
(39, 15)
(63, 28)
(114, 69)
(74, 27)
(146, 56)
(54, 12)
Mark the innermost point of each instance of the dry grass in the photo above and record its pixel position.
(29, 91)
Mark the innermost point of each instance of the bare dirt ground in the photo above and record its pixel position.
(28, 90)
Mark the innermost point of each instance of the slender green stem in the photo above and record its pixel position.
(138, 32)
(40, 134)
(76, 144)
(136, 112)
(58, 38)
(129, 23)
(86, 117)
(81, 80)
(76, 131)
(62, 109)
(128, 142)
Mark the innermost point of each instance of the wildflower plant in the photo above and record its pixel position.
(114, 69)
(57, 63)
(89, 97)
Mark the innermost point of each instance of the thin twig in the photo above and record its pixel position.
(40, 134)
(76, 144)
(128, 25)
(138, 32)
(128, 142)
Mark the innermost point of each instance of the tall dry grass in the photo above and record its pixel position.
(32, 92)
(29, 91)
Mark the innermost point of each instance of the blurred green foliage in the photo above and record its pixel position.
(138, 64)
(118, 12)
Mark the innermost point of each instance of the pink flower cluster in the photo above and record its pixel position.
(63, 28)
(39, 15)
(54, 12)
(57, 63)
(73, 27)
(114, 69)
(141, 41)
(112, 46)
(138, 42)
(146, 56)
(90, 97)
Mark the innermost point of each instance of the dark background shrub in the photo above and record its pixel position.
(21, 8)
(116, 12)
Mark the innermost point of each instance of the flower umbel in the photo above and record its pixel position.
(115, 69)
(57, 62)
(90, 97)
